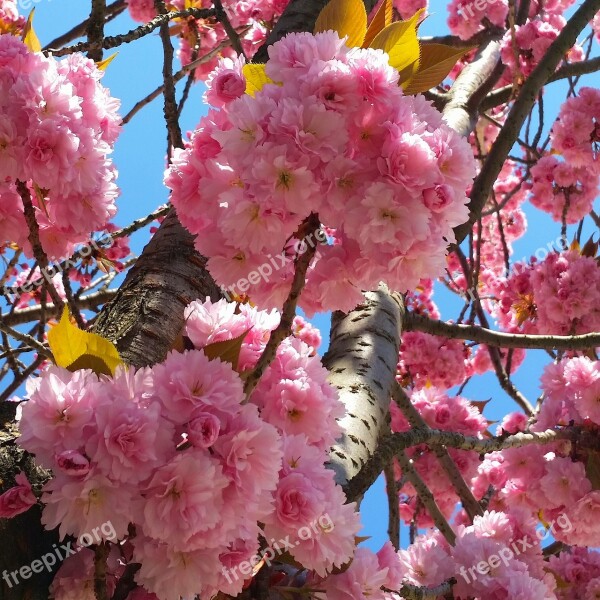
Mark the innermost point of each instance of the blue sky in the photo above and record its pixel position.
(140, 159)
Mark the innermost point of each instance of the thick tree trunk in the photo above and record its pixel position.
(22, 539)
(146, 316)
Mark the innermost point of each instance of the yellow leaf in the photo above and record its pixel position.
(102, 64)
(382, 19)
(347, 17)
(590, 248)
(30, 39)
(437, 60)
(400, 41)
(256, 78)
(227, 351)
(75, 349)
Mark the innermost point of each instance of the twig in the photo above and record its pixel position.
(283, 330)
(34, 237)
(170, 108)
(415, 419)
(112, 11)
(393, 508)
(137, 33)
(426, 496)
(221, 16)
(33, 313)
(176, 78)
(484, 182)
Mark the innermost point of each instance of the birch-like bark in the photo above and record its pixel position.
(362, 362)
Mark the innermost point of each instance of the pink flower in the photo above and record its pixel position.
(73, 462)
(184, 382)
(131, 441)
(183, 498)
(225, 83)
(77, 506)
(203, 429)
(58, 414)
(388, 559)
(17, 499)
(361, 581)
(296, 501)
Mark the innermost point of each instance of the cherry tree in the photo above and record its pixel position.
(168, 427)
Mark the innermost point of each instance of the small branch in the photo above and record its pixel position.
(33, 313)
(134, 34)
(424, 493)
(283, 330)
(34, 237)
(176, 78)
(484, 182)
(390, 445)
(503, 94)
(232, 34)
(170, 107)
(112, 11)
(413, 592)
(393, 508)
(100, 558)
(415, 419)
(26, 339)
(415, 322)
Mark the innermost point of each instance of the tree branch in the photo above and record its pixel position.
(500, 339)
(362, 360)
(484, 182)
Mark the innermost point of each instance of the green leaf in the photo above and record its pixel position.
(400, 41)
(256, 77)
(227, 351)
(75, 349)
(347, 17)
(437, 60)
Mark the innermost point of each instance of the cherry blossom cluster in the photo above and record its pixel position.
(449, 413)
(252, 19)
(337, 139)
(566, 189)
(10, 20)
(427, 359)
(572, 389)
(579, 568)
(176, 452)
(499, 229)
(522, 53)
(559, 295)
(497, 557)
(57, 128)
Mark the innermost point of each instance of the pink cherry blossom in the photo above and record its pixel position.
(17, 499)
